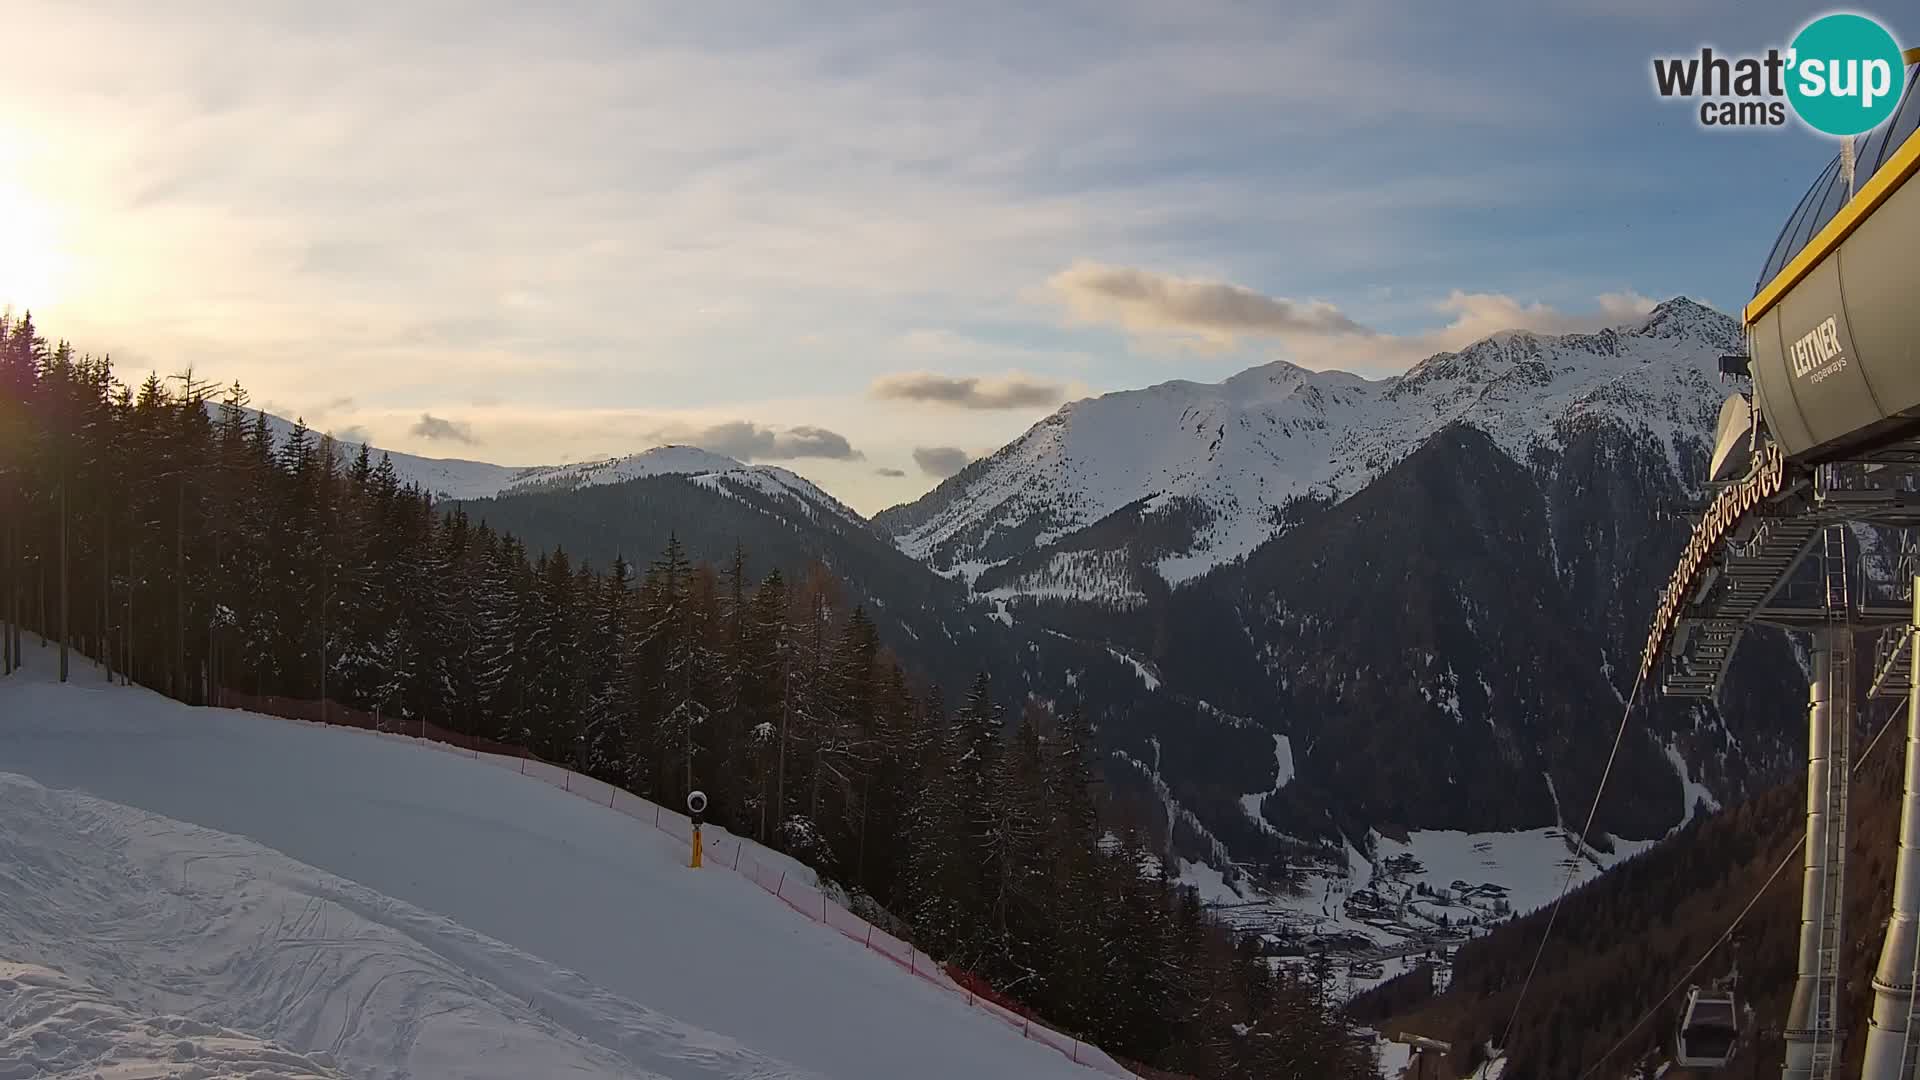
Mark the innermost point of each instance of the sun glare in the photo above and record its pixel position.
(29, 251)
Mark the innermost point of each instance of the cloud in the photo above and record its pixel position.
(1474, 315)
(353, 435)
(434, 427)
(748, 441)
(1220, 313)
(1217, 312)
(1478, 314)
(940, 461)
(1626, 305)
(1014, 390)
(890, 473)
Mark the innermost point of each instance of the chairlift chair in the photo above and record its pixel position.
(1709, 1030)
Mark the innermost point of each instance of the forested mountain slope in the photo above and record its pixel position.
(191, 550)
(1623, 941)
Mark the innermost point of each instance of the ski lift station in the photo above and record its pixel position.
(1823, 437)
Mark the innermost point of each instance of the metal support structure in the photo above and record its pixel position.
(1893, 1037)
(1813, 1030)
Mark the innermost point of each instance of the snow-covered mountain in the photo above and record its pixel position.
(1426, 587)
(459, 479)
(716, 472)
(1230, 461)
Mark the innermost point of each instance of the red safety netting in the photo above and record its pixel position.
(720, 849)
(848, 923)
(892, 948)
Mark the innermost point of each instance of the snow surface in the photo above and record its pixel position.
(1527, 868)
(1531, 865)
(1151, 680)
(1097, 576)
(569, 933)
(1244, 447)
(51, 1025)
(1209, 883)
(143, 916)
(1283, 775)
(1692, 790)
(1392, 1056)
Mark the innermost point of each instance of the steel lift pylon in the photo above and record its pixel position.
(1814, 1032)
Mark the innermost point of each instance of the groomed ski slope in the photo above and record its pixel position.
(158, 945)
(451, 919)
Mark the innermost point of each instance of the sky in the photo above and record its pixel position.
(864, 242)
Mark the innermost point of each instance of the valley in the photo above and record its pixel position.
(1201, 585)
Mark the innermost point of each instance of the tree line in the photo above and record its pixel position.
(166, 535)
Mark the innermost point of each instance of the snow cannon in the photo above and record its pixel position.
(1833, 331)
(696, 806)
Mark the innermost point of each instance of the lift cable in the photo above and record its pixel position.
(1859, 764)
(1573, 864)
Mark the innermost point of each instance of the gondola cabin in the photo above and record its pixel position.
(1709, 1030)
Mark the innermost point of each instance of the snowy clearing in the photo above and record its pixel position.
(1531, 865)
(1693, 792)
(1283, 775)
(505, 884)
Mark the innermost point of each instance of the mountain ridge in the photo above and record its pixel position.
(1193, 590)
(1240, 449)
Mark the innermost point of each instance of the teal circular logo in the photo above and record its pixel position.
(1844, 74)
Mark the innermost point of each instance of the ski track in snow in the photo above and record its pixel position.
(1693, 791)
(182, 921)
(51, 1025)
(1283, 775)
(481, 924)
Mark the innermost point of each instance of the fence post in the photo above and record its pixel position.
(611, 792)
(1076, 1051)
(913, 960)
(566, 780)
(737, 845)
(782, 885)
(869, 935)
(656, 815)
(823, 908)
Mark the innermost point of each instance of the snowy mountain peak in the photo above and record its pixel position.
(672, 460)
(1683, 318)
(1228, 459)
(716, 472)
(453, 478)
